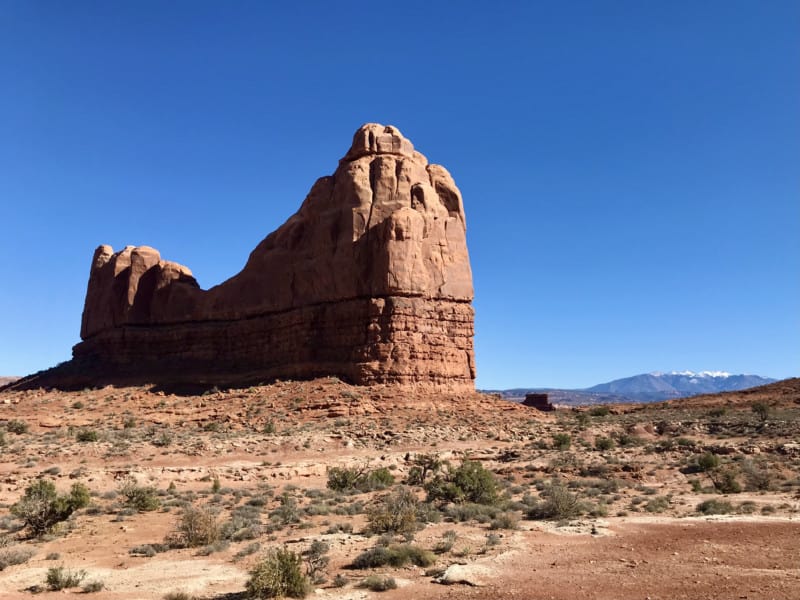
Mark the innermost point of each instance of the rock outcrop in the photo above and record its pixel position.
(369, 281)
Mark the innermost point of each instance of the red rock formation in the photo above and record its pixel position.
(370, 281)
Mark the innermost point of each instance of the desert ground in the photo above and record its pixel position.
(430, 495)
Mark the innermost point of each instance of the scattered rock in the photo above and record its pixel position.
(473, 574)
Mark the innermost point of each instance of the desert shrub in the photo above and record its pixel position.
(340, 528)
(317, 560)
(761, 410)
(340, 581)
(626, 439)
(725, 482)
(42, 507)
(397, 555)
(279, 574)
(162, 439)
(87, 435)
(197, 527)
(251, 548)
(561, 441)
(61, 578)
(603, 443)
(244, 524)
(287, 511)
(14, 556)
(422, 466)
(748, 507)
(378, 479)
(559, 504)
(138, 497)
(92, 587)
(461, 513)
(17, 426)
(394, 513)
(218, 546)
(505, 520)
(447, 542)
(470, 482)
(717, 412)
(707, 462)
(599, 411)
(757, 477)
(714, 507)
(344, 479)
(378, 583)
(657, 505)
(143, 550)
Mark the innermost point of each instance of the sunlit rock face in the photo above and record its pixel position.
(369, 281)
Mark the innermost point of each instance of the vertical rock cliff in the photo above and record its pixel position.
(369, 281)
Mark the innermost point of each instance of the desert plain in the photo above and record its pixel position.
(189, 490)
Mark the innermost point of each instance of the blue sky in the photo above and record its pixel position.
(630, 170)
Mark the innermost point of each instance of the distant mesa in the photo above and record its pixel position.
(369, 281)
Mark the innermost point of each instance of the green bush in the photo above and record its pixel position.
(60, 578)
(397, 555)
(317, 560)
(347, 479)
(379, 479)
(422, 466)
(279, 574)
(470, 482)
(561, 441)
(724, 481)
(447, 542)
(17, 426)
(87, 435)
(757, 476)
(714, 507)
(707, 462)
(198, 527)
(658, 504)
(394, 513)
(42, 507)
(559, 504)
(603, 443)
(140, 498)
(505, 520)
(761, 409)
(469, 511)
(287, 511)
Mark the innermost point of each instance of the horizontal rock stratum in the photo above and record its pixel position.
(369, 281)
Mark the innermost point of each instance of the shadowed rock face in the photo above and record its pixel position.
(369, 281)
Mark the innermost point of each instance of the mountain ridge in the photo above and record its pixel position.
(646, 387)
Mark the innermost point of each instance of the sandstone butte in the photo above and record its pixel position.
(369, 281)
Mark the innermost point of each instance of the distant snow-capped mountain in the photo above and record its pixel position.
(677, 384)
(647, 387)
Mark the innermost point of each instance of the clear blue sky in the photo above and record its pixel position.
(630, 170)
